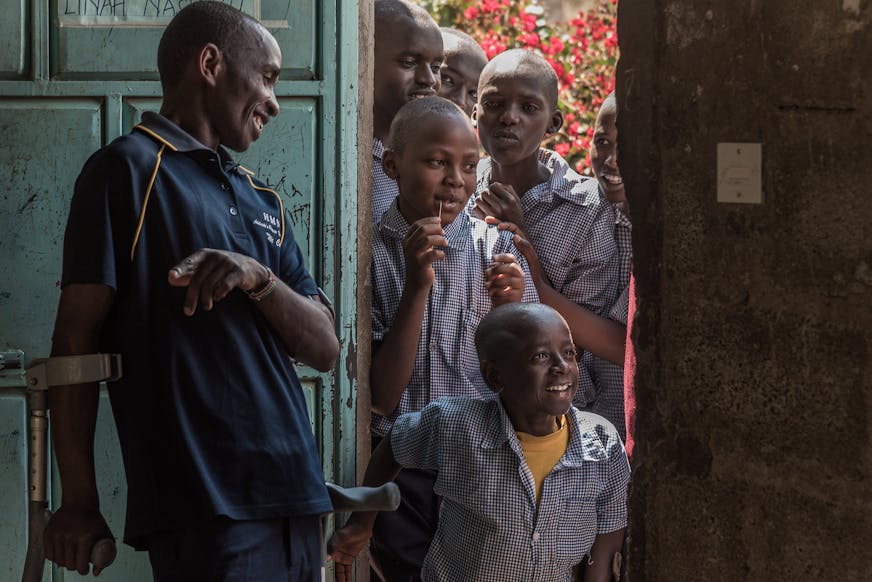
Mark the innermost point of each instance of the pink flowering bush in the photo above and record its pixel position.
(583, 53)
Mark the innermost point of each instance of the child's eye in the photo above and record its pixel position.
(473, 94)
(447, 81)
(570, 354)
(435, 67)
(436, 163)
(470, 168)
(541, 356)
(530, 108)
(407, 63)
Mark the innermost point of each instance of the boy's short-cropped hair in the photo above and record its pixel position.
(406, 122)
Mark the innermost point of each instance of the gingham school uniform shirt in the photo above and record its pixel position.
(489, 525)
(608, 378)
(571, 227)
(384, 188)
(446, 363)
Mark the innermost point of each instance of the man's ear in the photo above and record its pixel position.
(491, 375)
(389, 164)
(556, 121)
(210, 63)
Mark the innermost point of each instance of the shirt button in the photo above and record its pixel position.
(225, 186)
(233, 211)
(535, 536)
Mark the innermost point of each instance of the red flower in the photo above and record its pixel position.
(562, 149)
(470, 13)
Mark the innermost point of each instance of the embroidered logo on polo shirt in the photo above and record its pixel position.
(271, 226)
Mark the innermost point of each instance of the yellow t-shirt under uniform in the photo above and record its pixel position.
(543, 452)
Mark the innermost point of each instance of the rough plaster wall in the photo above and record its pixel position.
(754, 330)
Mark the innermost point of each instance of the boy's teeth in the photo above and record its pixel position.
(557, 388)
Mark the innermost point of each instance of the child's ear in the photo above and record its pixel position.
(474, 116)
(556, 122)
(491, 375)
(389, 164)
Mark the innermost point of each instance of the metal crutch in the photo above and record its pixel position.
(43, 373)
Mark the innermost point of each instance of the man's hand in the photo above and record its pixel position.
(504, 280)
(71, 534)
(501, 202)
(210, 275)
(420, 252)
(344, 546)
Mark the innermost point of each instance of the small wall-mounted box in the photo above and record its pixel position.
(740, 173)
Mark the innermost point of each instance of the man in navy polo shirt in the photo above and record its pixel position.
(177, 258)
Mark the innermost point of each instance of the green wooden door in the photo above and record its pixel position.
(75, 74)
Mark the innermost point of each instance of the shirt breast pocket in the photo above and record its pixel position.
(467, 357)
(578, 528)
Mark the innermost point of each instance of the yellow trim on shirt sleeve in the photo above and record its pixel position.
(145, 200)
(281, 204)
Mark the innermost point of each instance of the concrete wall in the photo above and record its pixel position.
(754, 331)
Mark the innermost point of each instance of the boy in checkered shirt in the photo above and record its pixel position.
(436, 272)
(534, 193)
(530, 485)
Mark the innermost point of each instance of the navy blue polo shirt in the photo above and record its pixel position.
(210, 413)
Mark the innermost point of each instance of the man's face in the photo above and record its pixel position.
(245, 97)
(436, 169)
(604, 153)
(513, 114)
(459, 76)
(407, 61)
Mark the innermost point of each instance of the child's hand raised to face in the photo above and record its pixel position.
(501, 202)
(419, 249)
(504, 280)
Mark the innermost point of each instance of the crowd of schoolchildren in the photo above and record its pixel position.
(500, 303)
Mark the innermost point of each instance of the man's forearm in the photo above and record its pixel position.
(304, 325)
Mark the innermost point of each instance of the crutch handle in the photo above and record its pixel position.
(382, 498)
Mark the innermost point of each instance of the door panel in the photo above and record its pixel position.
(117, 39)
(12, 45)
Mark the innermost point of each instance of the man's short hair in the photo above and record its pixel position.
(407, 121)
(196, 25)
(385, 11)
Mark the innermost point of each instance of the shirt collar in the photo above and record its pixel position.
(622, 219)
(563, 182)
(177, 139)
(378, 149)
(394, 225)
(583, 446)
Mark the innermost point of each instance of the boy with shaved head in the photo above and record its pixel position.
(464, 60)
(408, 56)
(530, 485)
(167, 262)
(535, 193)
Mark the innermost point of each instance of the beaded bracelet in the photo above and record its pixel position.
(268, 287)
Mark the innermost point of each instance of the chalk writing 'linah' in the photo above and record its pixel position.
(140, 8)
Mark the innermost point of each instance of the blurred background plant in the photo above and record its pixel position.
(583, 52)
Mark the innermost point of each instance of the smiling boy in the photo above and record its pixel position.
(436, 272)
(464, 60)
(530, 485)
(408, 56)
(560, 212)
